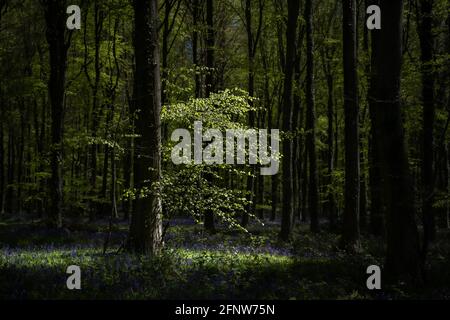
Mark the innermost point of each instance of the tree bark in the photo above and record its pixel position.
(403, 255)
(425, 25)
(331, 208)
(291, 50)
(350, 230)
(313, 190)
(55, 18)
(146, 226)
(195, 59)
(2, 158)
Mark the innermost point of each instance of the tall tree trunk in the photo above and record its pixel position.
(331, 209)
(291, 50)
(128, 177)
(313, 190)
(363, 201)
(251, 114)
(403, 252)
(448, 185)
(10, 194)
(252, 44)
(350, 230)
(96, 110)
(363, 159)
(20, 158)
(195, 59)
(146, 226)
(2, 149)
(113, 198)
(297, 127)
(2, 158)
(210, 84)
(425, 25)
(55, 17)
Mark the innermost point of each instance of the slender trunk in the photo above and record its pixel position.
(195, 60)
(313, 190)
(363, 188)
(297, 126)
(331, 203)
(291, 50)
(210, 84)
(350, 232)
(103, 195)
(251, 114)
(10, 194)
(2, 160)
(113, 197)
(128, 177)
(448, 185)
(425, 25)
(20, 160)
(98, 27)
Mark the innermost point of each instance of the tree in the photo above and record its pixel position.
(94, 84)
(58, 45)
(350, 231)
(313, 190)
(167, 30)
(210, 84)
(252, 45)
(402, 256)
(2, 116)
(288, 182)
(328, 56)
(145, 235)
(425, 24)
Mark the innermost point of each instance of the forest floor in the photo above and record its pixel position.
(197, 265)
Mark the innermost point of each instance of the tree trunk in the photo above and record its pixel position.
(195, 60)
(96, 108)
(377, 213)
(128, 177)
(2, 157)
(313, 190)
(252, 44)
(448, 185)
(146, 226)
(10, 194)
(425, 25)
(331, 209)
(55, 17)
(350, 230)
(291, 50)
(210, 84)
(403, 255)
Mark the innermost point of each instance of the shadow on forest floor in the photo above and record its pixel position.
(196, 265)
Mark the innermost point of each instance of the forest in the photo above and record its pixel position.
(224, 149)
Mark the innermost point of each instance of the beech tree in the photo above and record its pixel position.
(426, 38)
(58, 44)
(288, 179)
(402, 255)
(350, 232)
(313, 186)
(210, 84)
(145, 235)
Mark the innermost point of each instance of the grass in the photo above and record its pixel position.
(196, 265)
